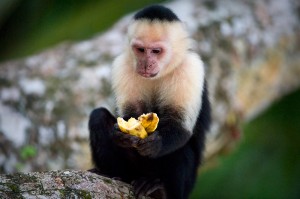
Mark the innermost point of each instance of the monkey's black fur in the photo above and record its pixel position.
(167, 172)
(156, 12)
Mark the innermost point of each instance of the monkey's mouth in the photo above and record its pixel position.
(147, 74)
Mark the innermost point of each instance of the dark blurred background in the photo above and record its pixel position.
(27, 27)
(265, 163)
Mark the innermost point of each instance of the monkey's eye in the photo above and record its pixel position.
(141, 50)
(156, 51)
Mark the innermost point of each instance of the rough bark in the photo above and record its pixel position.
(62, 184)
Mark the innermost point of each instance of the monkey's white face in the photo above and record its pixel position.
(156, 48)
(150, 57)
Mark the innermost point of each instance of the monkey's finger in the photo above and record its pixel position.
(149, 139)
(147, 143)
(138, 186)
(150, 152)
(118, 135)
(144, 147)
(147, 186)
(152, 186)
(122, 139)
(133, 140)
(139, 192)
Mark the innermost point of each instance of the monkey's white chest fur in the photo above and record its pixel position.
(181, 89)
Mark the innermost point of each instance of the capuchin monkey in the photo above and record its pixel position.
(157, 72)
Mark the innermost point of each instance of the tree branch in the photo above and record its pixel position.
(62, 184)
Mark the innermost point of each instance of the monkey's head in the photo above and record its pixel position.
(157, 42)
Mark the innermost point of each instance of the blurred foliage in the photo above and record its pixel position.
(267, 162)
(28, 152)
(27, 27)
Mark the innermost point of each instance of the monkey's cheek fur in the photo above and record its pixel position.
(146, 123)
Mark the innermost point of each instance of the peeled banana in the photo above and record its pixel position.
(146, 123)
(149, 121)
(132, 127)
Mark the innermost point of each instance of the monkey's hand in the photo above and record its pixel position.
(150, 146)
(123, 140)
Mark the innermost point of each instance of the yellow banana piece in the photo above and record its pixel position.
(149, 121)
(132, 127)
(146, 123)
(123, 125)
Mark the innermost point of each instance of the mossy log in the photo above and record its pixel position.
(62, 184)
